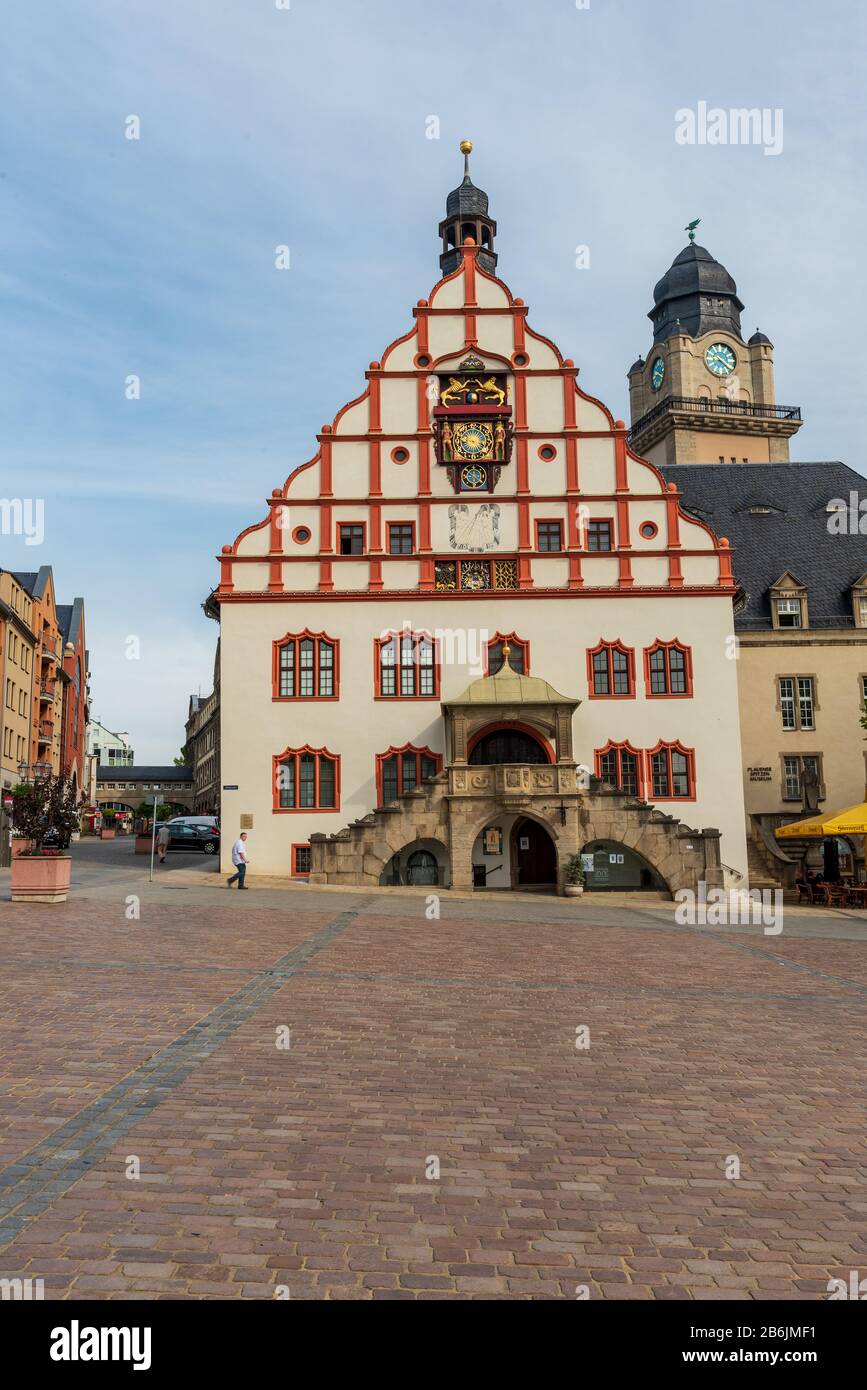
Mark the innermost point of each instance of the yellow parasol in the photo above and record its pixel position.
(852, 821)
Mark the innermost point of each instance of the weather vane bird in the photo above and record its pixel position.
(690, 227)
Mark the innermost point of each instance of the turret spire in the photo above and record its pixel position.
(467, 216)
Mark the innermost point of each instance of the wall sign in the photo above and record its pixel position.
(759, 774)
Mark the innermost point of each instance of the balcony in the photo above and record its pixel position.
(719, 411)
(49, 651)
(46, 691)
(46, 731)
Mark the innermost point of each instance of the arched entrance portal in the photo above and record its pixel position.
(533, 855)
(617, 868)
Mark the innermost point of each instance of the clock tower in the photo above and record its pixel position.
(703, 394)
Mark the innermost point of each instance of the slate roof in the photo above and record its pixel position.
(106, 773)
(69, 619)
(696, 295)
(793, 536)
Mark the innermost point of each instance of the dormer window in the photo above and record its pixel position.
(789, 604)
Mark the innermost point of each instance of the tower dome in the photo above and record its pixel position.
(696, 295)
(467, 216)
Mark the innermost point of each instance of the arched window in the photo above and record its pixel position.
(399, 770)
(621, 766)
(306, 779)
(671, 773)
(305, 667)
(667, 669)
(499, 746)
(611, 671)
(519, 653)
(406, 667)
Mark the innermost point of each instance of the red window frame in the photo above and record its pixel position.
(411, 525)
(669, 748)
(296, 753)
(513, 640)
(393, 752)
(295, 872)
(297, 638)
(354, 553)
(585, 534)
(609, 647)
(417, 637)
(668, 647)
(618, 748)
(550, 521)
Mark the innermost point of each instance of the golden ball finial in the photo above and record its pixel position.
(466, 147)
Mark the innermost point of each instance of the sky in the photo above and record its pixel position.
(308, 124)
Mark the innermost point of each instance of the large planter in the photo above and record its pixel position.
(573, 890)
(143, 844)
(41, 878)
(107, 834)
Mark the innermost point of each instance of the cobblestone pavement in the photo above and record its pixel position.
(304, 1169)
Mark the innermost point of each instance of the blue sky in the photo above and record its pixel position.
(307, 127)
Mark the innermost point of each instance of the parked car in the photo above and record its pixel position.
(195, 820)
(202, 838)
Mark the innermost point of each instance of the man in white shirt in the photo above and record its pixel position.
(240, 860)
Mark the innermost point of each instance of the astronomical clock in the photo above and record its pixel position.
(473, 426)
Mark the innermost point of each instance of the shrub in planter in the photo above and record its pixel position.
(573, 871)
(45, 815)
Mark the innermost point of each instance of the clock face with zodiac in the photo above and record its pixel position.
(473, 441)
(720, 359)
(657, 373)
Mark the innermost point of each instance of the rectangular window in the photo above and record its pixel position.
(601, 685)
(862, 610)
(659, 774)
(657, 672)
(306, 669)
(599, 535)
(350, 539)
(620, 671)
(306, 781)
(789, 612)
(792, 779)
(300, 860)
(549, 535)
(517, 656)
(406, 666)
(805, 702)
(797, 702)
(619, 767)
(787, 702)
(400, 538)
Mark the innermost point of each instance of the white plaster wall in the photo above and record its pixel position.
(357, 727)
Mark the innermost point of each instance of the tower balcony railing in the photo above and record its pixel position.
(700, 405)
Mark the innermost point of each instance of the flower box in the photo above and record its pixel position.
(143, 844)
(41, 878)
(105, 834)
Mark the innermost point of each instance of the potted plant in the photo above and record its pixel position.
(144, 816)
(108, 828)
(573, 871)
(46, 814)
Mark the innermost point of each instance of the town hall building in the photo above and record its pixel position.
(476, 634)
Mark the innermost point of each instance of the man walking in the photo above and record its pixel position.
(240, 860)
(163, 841)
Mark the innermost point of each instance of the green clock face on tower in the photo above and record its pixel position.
(720, 359)
(657, 374)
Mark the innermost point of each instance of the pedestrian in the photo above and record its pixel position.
(163, 841)
(240, 860)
